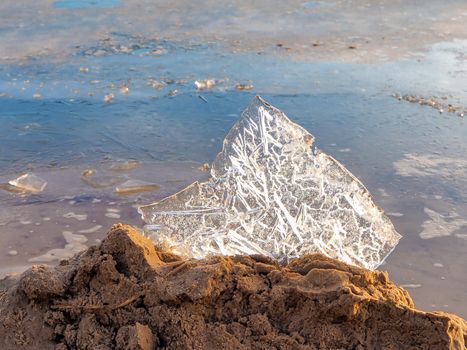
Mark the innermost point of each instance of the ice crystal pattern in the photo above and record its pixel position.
(273, 193)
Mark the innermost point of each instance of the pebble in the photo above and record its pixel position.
(12, 252)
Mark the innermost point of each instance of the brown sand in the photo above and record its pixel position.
(127, 294)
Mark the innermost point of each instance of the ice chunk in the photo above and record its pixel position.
(205, 84)
(124, 166)
(92, 178)
(273, 193)
(29, 182)
(92, 229)
(79, 217)
(135, 186)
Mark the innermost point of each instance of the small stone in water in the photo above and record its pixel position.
(172, 93)
(12, 252)
(124, 90)
(108, 98)
(87, 172)
(205, 167)
(29, 182)
(84, 70)
(135, 186)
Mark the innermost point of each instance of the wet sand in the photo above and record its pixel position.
(359, 31)
(127, 293)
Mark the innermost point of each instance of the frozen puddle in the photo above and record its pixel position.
(439, 225)
(74, 244)
(273, 193)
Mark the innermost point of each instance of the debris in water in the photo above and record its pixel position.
(273, 193)
(84, 70)
(13, 252)
(135, 186)
(88, 172)
(434, 102)
(29, 182)
(242, 87)
(108, 98)
(155, 84)
(205, 167)
(112, 215)
(205, 84)
(124, 90)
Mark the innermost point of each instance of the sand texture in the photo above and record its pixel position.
(128, 294)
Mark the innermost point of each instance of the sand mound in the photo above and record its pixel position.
(127, 294)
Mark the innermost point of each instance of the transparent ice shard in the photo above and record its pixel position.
(135, 186)
(273, 193)
(29, 182)
(124, 166)
(96, 180)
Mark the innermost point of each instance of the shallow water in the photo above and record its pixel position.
(55, 122)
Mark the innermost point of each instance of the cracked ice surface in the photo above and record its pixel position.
(273, 193)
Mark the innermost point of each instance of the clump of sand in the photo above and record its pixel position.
(128, 294)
